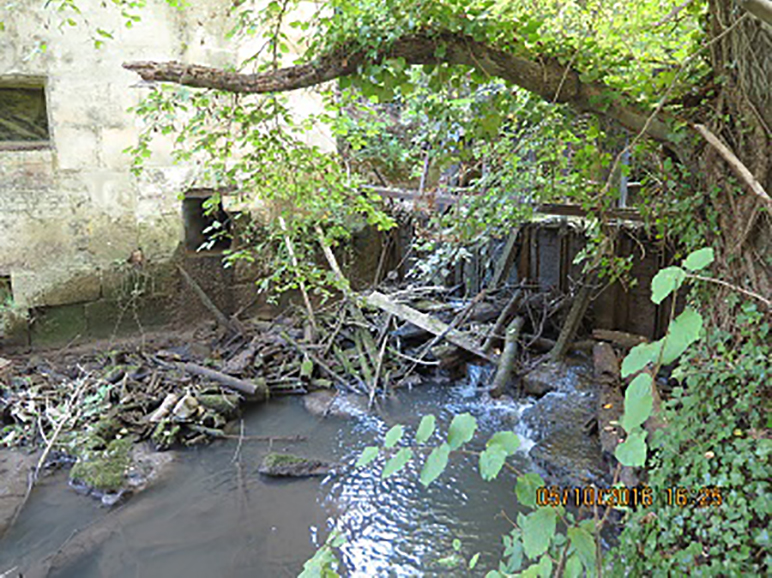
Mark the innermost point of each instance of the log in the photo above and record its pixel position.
(546, 344)
(426, 322)
(574, 319)
(621, 339)
(508, 358)
(256, 391)
(511, 306)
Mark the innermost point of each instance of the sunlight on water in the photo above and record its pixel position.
(215, 516)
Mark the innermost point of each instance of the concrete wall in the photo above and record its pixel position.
(71, 213)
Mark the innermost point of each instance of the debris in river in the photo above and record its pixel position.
(291, 466)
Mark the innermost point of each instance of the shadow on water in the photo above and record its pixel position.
(216, 516)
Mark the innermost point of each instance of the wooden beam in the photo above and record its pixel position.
(427, 323)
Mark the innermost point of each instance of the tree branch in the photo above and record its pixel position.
(734, 163)
(545, 76)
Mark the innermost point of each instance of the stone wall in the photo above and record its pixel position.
(71, 213)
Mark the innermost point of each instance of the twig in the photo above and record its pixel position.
(326, 368)
(746, 292)
(672, 14)
(241, 440)
(301, 283)
(379, 365)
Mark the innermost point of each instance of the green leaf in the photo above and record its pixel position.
(639, 357)
(665, 282)
(541, 570)
(638, 402)
(393, 436)
(584, 545)
(573, 567)
(425, 429)
(506, 440)
(698, 260)
(397, 462)
(368, 455)
(538, 530)
(435, 464)
(473, 561)
(461, 430)
(306, 368)
(632, 452)
(491, 462)
(526, 489)
(682, 332)
(456, 544)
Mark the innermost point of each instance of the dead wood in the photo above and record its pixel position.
(321, 364)
(509, 309)
(508, 358)
(255, 390)
(572, 323)
(621, 339)
(426, 322)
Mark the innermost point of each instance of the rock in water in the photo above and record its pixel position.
(327, 402)
(291, 466)
(571, 375)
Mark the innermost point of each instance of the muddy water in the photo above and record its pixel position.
(215, 516)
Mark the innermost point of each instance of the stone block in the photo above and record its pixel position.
(76, 147)
(57, 326)
(84, 287)
(114, 142)
(160, 238)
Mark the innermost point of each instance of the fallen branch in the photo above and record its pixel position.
(509, 309)
(256, 391)
(508, 357)
(619, 338)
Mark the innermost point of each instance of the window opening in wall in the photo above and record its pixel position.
(208, 227)
(23, 115)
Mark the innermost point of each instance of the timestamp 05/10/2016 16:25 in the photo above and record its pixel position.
(590, 496)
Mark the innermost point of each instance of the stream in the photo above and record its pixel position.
(214, 515)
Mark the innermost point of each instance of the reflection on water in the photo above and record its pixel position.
(215, 516)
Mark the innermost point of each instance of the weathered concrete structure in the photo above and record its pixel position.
(71, 213)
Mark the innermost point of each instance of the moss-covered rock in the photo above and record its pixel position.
(104, 470)
(225, 404)
(292, 466)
